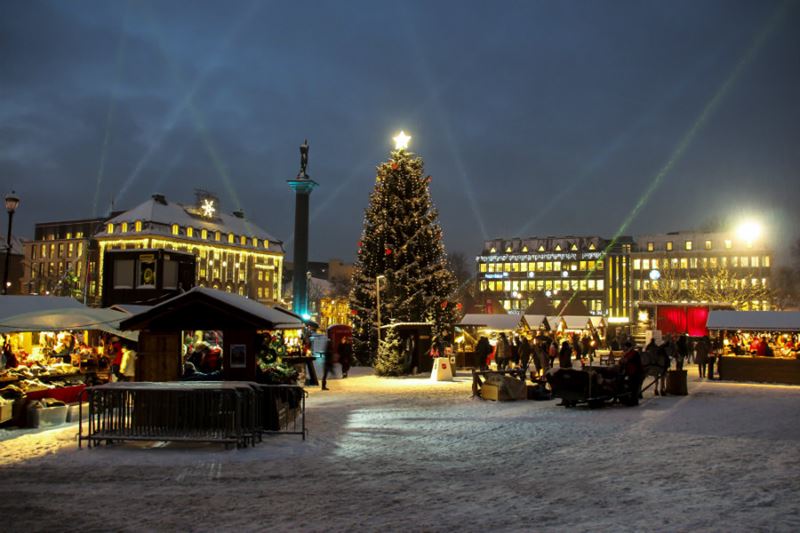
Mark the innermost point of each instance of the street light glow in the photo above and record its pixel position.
(749, 230)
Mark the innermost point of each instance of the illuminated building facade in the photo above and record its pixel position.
(697, 267)
(591, 270)
(62, 256)
(233, 254)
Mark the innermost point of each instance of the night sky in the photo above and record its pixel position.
(534, 118)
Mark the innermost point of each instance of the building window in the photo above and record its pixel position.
(243, 240)
(728, 244)
(688, 245)
(189, 231)
(637, 264)
(217, 237)
(138, 226)
(708, 245)
(255, 242)
(669, 246)
(204, 234)
(650, 246)
(124, 227)
(110, 228)
(766, 261)
(175, 229)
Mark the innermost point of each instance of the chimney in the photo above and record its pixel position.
(160, 198)
(238, 214)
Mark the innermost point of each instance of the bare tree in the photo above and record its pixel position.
(666, 288)
(739, 288)
(785, 285)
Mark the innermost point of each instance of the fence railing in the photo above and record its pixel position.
(231, 413)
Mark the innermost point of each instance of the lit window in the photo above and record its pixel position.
(243, 240)
(260, 292)
(744, 262)
(592, 247)
(110, 228)
(669, 246)
(493, 250)
(124, 227)
(708, 245)
(203, 234)
(688, 245)
(728, 244)
(230, 238)
(558, 247)
(650, 246)
(541, 248)
(189, 231)
(766, 261)
(175, 229)
(637, 264)
(754, 261)
(69, 235)
(508, 249)
(217, 237)
(483, 267)
(266, 243)
(255, 242)
(574, 247)
(525, 249)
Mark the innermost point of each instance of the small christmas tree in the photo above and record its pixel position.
(391, 360)
(402, 244)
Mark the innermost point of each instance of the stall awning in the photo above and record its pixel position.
(17, 305)
(536, 321)
(68, 319)
(754, 320)
(498, 322)
(205, 309)
(597, 322)
(576, 322)
(554, 322)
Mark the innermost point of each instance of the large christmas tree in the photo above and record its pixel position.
(401, 241)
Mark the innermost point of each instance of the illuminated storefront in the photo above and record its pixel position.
(233, 254)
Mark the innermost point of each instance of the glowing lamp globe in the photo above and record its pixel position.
(655, 275)
(749, 230)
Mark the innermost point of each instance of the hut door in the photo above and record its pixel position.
(159, 357)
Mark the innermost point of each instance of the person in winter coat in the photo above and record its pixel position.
(552, 353)
(502, 352)
(683, 351)
(701, 356)
(128, 365)
(524, 353)
(565, 355)
(328, 364)
(482, 351)
(631, 367)
(116, 358)
(345, 355)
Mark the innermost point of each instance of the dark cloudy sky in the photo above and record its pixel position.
(534, 118)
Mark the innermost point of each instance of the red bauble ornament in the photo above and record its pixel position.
(444, 304)
(459, 306)
(388, 251)
(359, 244)
(428, 179)
(394, 165)
(353, 312)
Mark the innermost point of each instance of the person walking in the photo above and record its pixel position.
(631, 368)
(345, 355)
(328, 364)
(701, 350)
(552, 353)
(683, 351)
(525, 353)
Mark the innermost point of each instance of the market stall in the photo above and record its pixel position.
(473, 326)
(52, 347)
(757, 345)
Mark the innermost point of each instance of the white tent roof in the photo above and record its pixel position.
(576, 321)
(754, 320)
(68, 319)
(17, 305)
(554, 321)
(597, 321)
(499, 322)
(534, 321)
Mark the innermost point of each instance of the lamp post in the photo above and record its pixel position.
(378, 280)
(12, 201)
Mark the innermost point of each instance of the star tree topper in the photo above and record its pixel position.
(401, 140)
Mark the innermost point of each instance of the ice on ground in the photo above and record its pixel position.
(411, 454)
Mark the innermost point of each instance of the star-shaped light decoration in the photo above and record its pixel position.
(208, 208)
(401, 140)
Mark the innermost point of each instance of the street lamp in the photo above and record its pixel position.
(378, 280)
(12, 202)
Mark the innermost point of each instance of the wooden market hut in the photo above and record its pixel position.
(239, 319)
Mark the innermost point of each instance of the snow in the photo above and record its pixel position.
(400, 454)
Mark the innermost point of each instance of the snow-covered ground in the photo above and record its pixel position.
(411, 455)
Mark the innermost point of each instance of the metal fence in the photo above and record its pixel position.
(231, 413)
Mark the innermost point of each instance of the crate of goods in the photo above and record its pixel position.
(74, 411)
(42, 417)
(6, 410)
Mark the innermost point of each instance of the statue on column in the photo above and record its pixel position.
(303, 159)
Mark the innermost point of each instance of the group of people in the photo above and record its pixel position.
(541, 350)
(761, 345)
